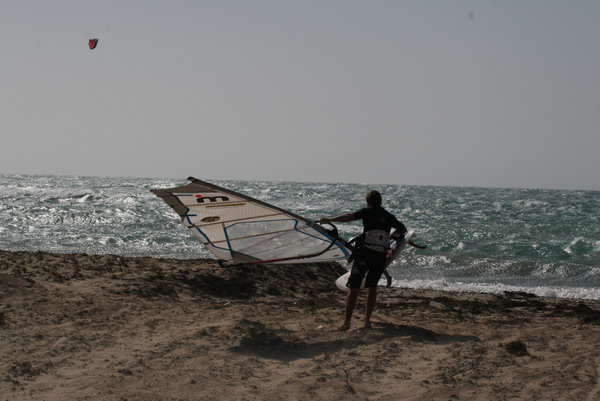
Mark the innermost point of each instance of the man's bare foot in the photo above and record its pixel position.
(368, 325)
(344, 327)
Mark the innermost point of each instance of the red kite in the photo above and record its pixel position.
(93, 43)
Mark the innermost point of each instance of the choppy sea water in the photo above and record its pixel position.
(545, 242)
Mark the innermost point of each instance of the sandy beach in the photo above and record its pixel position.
(105, 327)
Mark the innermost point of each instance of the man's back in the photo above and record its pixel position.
(377, 218)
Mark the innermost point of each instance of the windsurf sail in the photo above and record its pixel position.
(239, 229)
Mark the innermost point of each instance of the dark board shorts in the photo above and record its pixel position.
(367, 263)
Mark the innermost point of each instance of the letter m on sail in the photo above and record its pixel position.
(203, 199)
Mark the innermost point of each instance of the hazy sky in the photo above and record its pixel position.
(468, 93)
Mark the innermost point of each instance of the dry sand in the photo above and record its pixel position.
(90, 327)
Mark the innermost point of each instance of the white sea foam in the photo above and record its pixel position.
(497, 288)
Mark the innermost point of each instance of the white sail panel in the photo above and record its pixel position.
(239, 229)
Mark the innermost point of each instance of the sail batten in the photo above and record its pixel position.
(237, 228)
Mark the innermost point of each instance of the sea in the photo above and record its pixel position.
(485, 240)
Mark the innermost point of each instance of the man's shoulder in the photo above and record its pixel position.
(361, 212)
(372, 211)
(388, 214)
(382, 210)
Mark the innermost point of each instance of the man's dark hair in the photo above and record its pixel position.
(373, 198)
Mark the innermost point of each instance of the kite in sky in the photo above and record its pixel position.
(93, 43)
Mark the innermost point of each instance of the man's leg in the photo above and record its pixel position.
(350, 304)
(387, 277)
(371, 300)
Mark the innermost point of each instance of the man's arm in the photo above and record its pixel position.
(399, 226)
(345, 218)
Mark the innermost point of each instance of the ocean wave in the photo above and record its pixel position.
(499, 237)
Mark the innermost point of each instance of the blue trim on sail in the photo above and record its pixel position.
(192, 226)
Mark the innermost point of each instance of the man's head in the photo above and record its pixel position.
(373, 198)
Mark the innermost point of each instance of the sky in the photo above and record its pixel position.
(451, 93)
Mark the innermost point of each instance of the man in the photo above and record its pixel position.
(370, 252)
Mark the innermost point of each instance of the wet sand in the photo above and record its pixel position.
(104, 327)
